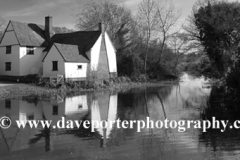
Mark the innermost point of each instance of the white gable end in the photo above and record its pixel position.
(111, 54)
(95, 51)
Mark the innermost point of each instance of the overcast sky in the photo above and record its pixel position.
(34, 11)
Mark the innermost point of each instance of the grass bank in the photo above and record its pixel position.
(45, 87)
(20, 90)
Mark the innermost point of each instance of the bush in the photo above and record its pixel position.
(30, 78)
(122, 79)
(141, 78)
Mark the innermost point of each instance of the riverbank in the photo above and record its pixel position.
(20, 90)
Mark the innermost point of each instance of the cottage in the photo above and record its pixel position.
(27, 49)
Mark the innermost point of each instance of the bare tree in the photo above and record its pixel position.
(179, 43)
(167, 17)
(117, 19)
(147, 22)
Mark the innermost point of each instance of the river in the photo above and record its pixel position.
(186, 100)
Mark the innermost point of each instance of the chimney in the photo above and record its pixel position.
(101, 27)
(48, 27)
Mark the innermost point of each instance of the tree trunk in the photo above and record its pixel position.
(161, 52)
(145, 61)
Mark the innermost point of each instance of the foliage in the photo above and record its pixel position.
(218, 27)
(233, 81)
(199, 64)
(30, 78)
(129, 65)
(217, 23)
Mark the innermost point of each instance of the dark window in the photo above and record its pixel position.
(8, 104)
(55, 65)
(79, 66)
(80, 106)
(30, 117)
(8, 66)
(55, 109)
(8, 49)
(30, 50)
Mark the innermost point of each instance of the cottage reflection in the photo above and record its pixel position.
(28, 109)
(93, 106)
(71, 108)
(104, 108)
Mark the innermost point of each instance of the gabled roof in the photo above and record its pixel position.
(70, 53)
(29, 34)
(83, 39)
(71, 45)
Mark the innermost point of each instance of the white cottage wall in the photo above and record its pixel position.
(31, 64)
(9, 39)
(13, 58)
(72, 70)
(111, 54)
(95, 52)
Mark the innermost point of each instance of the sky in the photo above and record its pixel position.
(34, 11)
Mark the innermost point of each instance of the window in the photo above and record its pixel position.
(80, 106)
(55, 65)
(79, 66)
(55, 109)
(8, 49)
(8, 66)
(30, 116)
(30, 50)
(8, 104)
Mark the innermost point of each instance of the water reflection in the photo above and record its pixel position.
(187, 100)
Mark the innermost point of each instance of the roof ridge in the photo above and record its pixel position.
(79, 32)
(89, 31)
(42, 25)
(26, 23)
(65, 44)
